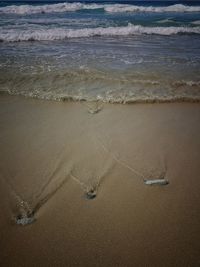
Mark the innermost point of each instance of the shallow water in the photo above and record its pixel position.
(131, 52)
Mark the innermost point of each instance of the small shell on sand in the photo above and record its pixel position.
(156, 182)
(24, 220)
(90, 194)
(94, 111)
(94, 107)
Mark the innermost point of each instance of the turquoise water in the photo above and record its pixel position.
(121, 51)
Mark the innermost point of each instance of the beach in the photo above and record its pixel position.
(99, 133)
(52, 153)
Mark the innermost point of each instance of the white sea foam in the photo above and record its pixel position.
(196, 22)
(172, 8)
(61, 7)
(125, 98)
(187, 83)
(169, 20)
(70, 7)
(29, 9)
(14, 35)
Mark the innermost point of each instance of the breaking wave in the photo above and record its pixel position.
(165, 21)
(172, 8)
(61, 34)
(71, 7)
(29, 9)
(196, 22)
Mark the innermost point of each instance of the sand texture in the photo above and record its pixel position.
(72, 184)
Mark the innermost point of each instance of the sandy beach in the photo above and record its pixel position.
(52, 153)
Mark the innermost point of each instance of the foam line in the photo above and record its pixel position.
(72, 7)
(16, 35)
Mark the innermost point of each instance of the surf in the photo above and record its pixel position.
(110, 8)
(17, 35)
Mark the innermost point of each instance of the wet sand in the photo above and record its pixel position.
(53, 153)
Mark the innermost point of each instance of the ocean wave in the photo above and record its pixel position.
(171, 8)
(14, 35)
(57, 8)
(169, 20)
(196, 22)
(71, 7)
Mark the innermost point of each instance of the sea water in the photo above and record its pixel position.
(112, 51)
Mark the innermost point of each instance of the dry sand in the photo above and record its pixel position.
(51, 153)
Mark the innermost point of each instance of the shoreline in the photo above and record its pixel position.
(123, 100)
(53, 152)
